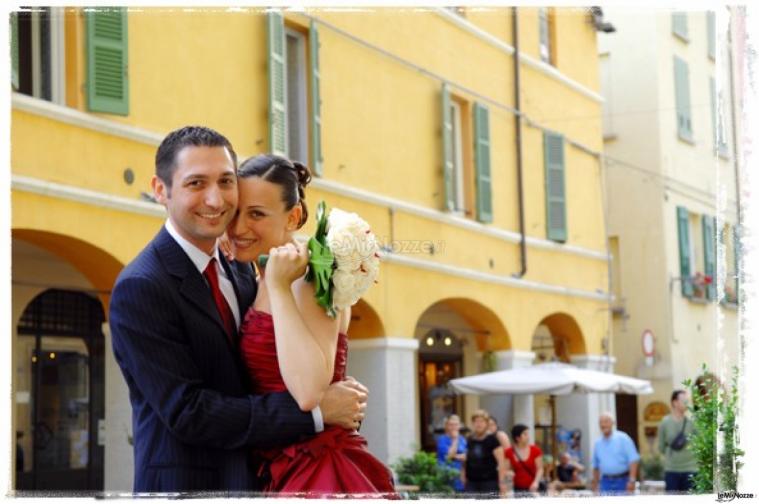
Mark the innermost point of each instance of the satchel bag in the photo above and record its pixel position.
(680, 440)
(542, 487)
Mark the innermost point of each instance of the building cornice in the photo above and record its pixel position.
(480, 276)
(388, 343)
(86, 196)
(80, 195)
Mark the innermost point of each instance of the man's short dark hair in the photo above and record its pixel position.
(198, 136)
(675, 395)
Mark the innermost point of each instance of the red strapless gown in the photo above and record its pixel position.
(335, 461)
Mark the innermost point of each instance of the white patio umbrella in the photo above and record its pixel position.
(554, 378)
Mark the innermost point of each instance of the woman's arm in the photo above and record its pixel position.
(453, 448)
(498, 454)
(306, 337)
(503, 438)
(538, 473)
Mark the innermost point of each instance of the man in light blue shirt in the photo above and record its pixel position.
(615, 460)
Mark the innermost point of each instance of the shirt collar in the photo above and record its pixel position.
(199, 258)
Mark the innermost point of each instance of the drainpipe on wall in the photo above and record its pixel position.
(518, 122)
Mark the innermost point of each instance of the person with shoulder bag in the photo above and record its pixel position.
(674, 431)
(526, 461)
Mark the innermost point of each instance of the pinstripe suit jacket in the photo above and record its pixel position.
(193, 420)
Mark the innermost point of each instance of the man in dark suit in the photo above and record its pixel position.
(174, 315)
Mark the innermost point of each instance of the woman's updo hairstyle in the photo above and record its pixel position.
(291, 176)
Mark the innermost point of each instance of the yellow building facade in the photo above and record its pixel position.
(409, 118)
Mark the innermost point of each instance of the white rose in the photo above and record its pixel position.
(344, 282)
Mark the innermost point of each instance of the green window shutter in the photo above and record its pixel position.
(316, 104)
(556, 208)
(684, 242)
(713, 98)
(737, 252)
(711, 29)
(14, 51)
(680, 25)
(708, 226)
(107, 61)
(448, 167)
(682, 100)
(482, 163)
(277, 103)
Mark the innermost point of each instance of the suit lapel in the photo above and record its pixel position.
(244, 284)
(193, 286)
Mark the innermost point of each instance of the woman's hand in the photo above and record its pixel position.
(534, 486)
(285, 265)
(226, 247)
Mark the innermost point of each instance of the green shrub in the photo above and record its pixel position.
(423, 471)
(714, 407)
(652, 467)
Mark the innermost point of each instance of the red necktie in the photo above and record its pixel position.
(221, 303)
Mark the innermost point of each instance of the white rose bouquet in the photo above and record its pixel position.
(344, 258)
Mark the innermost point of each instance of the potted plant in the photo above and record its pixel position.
(652, 467)
(421, 470)
(699, 281)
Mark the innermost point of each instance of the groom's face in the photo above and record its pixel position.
(203, 194)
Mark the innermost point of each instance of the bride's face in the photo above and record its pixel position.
(262, 221)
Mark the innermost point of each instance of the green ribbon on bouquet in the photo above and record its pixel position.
(321, 262)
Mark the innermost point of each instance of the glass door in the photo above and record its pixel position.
(60, 394)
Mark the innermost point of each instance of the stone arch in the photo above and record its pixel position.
(365, 322)
(455, 335)
(562, 332)
(98, 266)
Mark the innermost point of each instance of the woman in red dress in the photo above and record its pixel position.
(287, 340)
(525, 460)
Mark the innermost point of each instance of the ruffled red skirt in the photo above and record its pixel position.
(334, 463)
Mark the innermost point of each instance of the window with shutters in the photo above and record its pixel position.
(296, 102)
(461, 187)
(618, 306)
(607, 91)
(697, 255)
(107, 60)
(711, 30)
(727, 238)
(38, 53)
(719, 133)
(682, 100)
(294, 91)
(555, 188)
(546, 22)
(721, 128)
(466, 157)
(680, 25)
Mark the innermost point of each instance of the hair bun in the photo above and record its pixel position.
(303, 173)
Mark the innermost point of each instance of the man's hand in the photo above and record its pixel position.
(344, 404)
(631, 486)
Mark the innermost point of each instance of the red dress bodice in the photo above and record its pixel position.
(259, 352)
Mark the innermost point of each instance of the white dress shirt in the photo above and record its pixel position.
(200, 259)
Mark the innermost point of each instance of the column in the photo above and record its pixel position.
(119, 453)
(581, 411)
(387, 367)
(522, 406)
